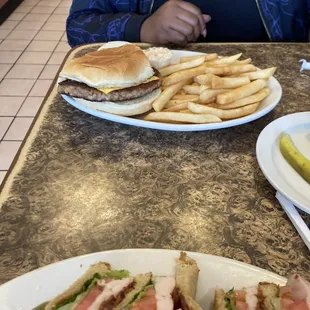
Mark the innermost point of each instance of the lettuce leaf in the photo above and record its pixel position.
(117, 274)
(229, 300)
(142, 294)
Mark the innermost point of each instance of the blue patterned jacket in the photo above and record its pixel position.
(109, 20)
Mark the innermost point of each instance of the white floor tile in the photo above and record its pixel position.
(54, 26)
(13, 45)
(59, 18)
(8, 150)
(40, 88)
(9, 106)
(41, 46)
(42, 9)
(9, 24)
(16, 16)
(63, 47)
(9, 57)
(4, 69)
(30, 2)
(30, 25)
(49, 72)
(31, 106)
(5, 123)
(4, 33)
(49, 35)
(62, 10)
(64, 37)
(18, 129)
(51, 3)
(22, 34)
(36, 17)
(21, 71)
(65, 4)
(23, 9)
(15, 87)
(57, 58)
(34, 58)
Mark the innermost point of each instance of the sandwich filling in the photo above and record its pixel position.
(157, 296)
(80, 90)
(101, 292)
(268, 296)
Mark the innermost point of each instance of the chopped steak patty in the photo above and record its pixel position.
(81, 90)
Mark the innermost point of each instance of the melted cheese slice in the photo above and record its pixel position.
(108, 90)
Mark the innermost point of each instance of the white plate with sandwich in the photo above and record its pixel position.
(146, 279)
(294, 132)
(119, 84)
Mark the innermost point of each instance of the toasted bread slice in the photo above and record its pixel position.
(187, 302)
(187, 272)
(219, 300)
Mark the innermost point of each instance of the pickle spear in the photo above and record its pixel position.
(298, 161)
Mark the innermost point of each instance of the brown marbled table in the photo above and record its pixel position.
(81, 184)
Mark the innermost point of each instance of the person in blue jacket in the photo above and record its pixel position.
(180, 22)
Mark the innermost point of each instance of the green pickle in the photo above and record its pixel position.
(298, 161)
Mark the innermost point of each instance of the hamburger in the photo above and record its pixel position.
(115, 80)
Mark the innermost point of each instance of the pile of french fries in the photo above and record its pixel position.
(210, 89)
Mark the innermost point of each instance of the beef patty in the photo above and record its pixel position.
(83, 91)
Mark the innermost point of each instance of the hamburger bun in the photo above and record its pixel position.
(124, 108)
(123, 66)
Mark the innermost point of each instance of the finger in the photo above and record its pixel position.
(191, 19)
(184, 28)
(196, 11)
(206, 18)
(176, 37)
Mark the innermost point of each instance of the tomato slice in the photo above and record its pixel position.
(90, 298)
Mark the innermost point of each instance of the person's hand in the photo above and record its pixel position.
(177, 22)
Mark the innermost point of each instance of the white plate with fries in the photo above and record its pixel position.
(274, 166)
(204, 92)
(39, 286)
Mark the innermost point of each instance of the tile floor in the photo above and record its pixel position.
(32, 46)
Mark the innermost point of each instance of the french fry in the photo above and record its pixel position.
(182, 118)
(183, 75)
(241, 92)
(174, 102)
(223, 60)
(230, 70)
(208, 95)
(258, 97)
(260, 74)
(186, 111)
(204, 79)
(223, 114)
(168, 93)
(203, 87)
(218, 82)
(190, 58)
(185, 96)
(181, 92)
(182, 66)
(192, 89)
(177, 108)
(242, 62)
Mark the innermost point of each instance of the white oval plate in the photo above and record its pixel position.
(36, 287)
(265, 107)
(275, 168)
